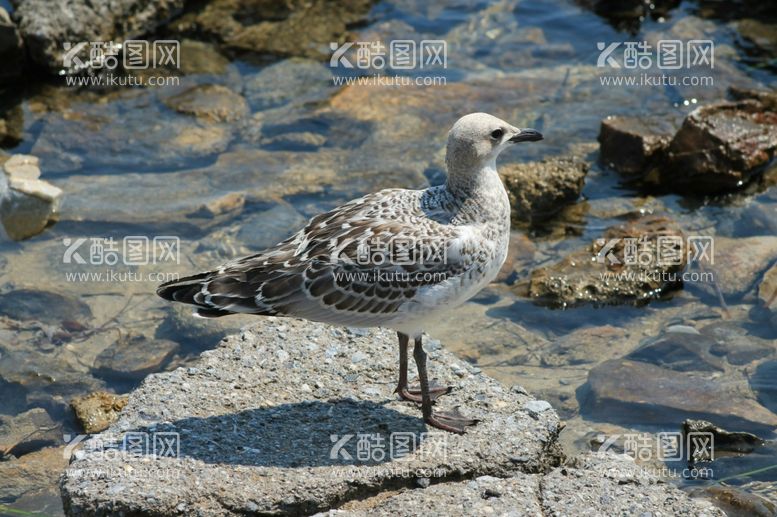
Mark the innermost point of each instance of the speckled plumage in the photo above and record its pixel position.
(392, 258)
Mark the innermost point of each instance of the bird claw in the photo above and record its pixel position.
(453, 421)
(414, 394)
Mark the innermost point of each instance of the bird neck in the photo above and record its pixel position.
(483, 181)
(480, 192)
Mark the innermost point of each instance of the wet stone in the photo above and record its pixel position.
(28, 432)
(631, 145)
(26, 474)
(11, 49)
(97, 410)
(721, 146)
(133, 357)
(44, 306)
(589, 275)
(674, 377)
(738, 264)
(282, 29)
(538, 190)
(725, 441)
(210, 102)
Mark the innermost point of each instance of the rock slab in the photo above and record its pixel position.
(294, 418)
(291, 417)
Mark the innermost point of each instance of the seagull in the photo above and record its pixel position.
(395, 258)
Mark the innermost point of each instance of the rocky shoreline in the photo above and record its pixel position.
(290, 418)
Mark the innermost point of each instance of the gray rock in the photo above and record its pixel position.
(611, 484)
(631, 145)
(47, 26)
(591, 484)
(486, 495)
(251, 440)
(538, 190)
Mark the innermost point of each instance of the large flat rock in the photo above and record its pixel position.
(290, 417)
(589, 484)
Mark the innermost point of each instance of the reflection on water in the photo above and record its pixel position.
(134, 162)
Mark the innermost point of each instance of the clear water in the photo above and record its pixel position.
(127, 169)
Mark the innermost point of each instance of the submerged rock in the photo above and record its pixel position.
(725, 441)
(133, 357)
(44, 306)
(738, 264)
(28, 432)
(626, 265)
(47, 26)
(681, 375)
(30, 472)
(538, 190)
(97, 410)
(210, 102)
(270, 422)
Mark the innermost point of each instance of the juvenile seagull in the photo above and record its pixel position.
(394, 259)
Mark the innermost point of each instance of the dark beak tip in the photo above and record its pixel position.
(527, 135)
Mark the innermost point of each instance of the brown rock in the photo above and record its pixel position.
(538, 190)
(611, 271)
(288, 28)
(721, 146)
(30, 472)
(738, 263)
(232, 202)
(96, 411)
(211, 102)
(631, 145)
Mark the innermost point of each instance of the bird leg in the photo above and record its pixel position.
(405, 392)
(452, 422)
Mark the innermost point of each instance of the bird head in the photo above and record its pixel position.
(475, 140)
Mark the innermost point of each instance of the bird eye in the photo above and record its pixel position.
(496, 134)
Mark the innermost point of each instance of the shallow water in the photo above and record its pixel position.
(131, 166)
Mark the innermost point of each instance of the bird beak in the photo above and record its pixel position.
(526, 135)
